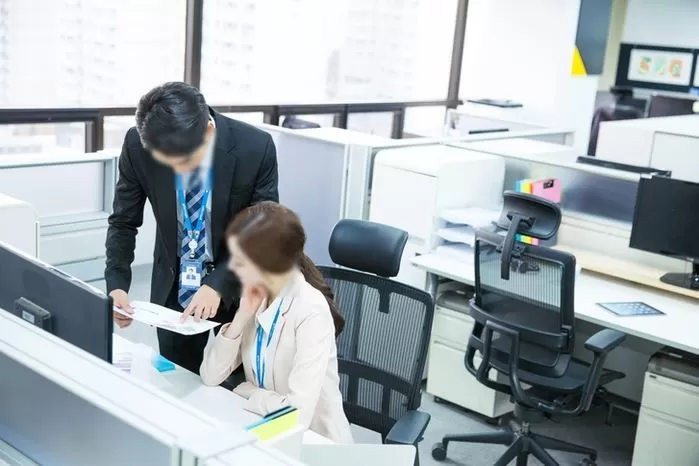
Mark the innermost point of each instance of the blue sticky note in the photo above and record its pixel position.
(161, 364)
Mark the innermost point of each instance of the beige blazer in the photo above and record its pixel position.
(300, 364)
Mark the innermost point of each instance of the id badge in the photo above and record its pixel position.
(191, 273)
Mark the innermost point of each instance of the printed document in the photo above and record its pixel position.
(162, 317)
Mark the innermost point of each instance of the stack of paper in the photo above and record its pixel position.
(476, 217)
(459, 234)
(123, 361)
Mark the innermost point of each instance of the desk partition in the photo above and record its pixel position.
(62, 406)
(325, 174)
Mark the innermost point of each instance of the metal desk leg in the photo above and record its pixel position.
(432, 285)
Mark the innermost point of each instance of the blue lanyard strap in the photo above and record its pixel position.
(259, 359)
(192, 232)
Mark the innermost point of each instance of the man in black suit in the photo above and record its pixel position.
(198, 169)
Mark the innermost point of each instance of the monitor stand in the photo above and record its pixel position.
(684, 280)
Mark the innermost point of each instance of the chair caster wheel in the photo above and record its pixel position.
(439, 452)
(587, 462)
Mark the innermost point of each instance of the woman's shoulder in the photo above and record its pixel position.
(310, 301)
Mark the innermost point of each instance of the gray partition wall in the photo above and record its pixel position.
(61, 406)
(312, 184)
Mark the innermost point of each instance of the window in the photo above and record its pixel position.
(33, 139)
(131, 44)
(332, 50)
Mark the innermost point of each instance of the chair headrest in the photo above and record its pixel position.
(528, 215)
(368, 247)
(541, 216)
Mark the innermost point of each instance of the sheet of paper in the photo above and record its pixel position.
(162, 317)
(462, 234)
(460, 252)
(476, 217)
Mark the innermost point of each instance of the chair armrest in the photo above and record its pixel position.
(604, 341)
(409, 428)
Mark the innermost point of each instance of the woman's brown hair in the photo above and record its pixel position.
(273, 238)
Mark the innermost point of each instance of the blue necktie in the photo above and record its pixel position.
(195, 193)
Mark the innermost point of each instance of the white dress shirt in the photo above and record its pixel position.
(204, 172)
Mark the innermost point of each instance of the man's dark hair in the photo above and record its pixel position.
(172, 118)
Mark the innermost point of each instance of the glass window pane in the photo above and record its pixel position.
(252, 118)
(88, 53)
(380, 124)
(424, 121)
(33, 139)
(115, 129)
(300, 51)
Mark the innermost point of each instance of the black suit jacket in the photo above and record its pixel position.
(245, 173)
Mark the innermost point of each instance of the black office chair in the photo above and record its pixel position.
(383, 348)
(524, 316)
(667, 105)
(294, 122)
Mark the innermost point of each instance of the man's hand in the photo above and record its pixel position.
(204, 304)
(121, 301)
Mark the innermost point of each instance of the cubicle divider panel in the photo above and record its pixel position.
(312, 182)
(57, 190)
(598, 206)
(60, 405)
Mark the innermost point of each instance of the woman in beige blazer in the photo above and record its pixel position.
(284, 332)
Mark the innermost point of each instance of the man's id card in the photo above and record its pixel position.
(191, 273)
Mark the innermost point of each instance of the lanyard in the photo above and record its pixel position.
(259, 360)
(193, 231)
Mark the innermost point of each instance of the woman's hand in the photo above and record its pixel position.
(250, 302)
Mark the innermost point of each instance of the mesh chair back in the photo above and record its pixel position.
(383, 348)
(537, 302)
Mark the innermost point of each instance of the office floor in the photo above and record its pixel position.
(614, 444)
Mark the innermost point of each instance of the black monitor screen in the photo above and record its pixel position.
(666, 218)
(79, 314)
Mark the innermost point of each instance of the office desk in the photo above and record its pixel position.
(188, 387)
(677, 328)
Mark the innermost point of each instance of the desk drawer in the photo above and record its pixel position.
(448, 378)
(671, 397)
(454, 327)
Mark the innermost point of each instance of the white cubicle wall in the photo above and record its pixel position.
(20, 225)
(471, 120)
(60, 405)
(72, 195)
(667, 143)
(325, 175)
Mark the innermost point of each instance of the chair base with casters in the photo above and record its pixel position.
(519, 439)
(521, 442)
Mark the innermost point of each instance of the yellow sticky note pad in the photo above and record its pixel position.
(272, 428)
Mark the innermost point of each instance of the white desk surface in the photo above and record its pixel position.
(188, 387)
(677, 328)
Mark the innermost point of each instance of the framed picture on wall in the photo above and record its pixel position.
(655, 67)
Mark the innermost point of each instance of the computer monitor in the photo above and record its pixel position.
(56, 302)
(666, 221)
(665, 105)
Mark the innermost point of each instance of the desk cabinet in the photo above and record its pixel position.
(447, 377)
(668, 423)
